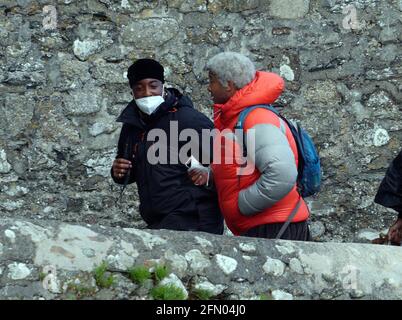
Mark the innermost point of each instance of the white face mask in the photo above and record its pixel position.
(149, 104)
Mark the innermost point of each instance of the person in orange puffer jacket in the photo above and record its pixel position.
(257, 202)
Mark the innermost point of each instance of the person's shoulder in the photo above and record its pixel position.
(398, 158)
(261, 116)
(187, 114)
(192, 118)
(186, 106)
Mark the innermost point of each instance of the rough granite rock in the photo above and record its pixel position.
(61, 90)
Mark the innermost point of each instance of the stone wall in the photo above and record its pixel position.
(49, 260)
(62, 84)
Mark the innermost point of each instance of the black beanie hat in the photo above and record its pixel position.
(145, 68)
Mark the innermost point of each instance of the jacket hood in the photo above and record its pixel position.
(265, 88)
(174, 99)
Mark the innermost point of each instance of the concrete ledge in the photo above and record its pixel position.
(50, 260)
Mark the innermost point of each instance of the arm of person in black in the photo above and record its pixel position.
(125, 151)
(389, 195)
(203, 125)
(210, 218)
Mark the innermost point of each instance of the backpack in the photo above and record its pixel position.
(309, 169)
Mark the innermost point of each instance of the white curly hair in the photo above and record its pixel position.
(232, 66)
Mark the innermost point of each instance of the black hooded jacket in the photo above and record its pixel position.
(389, 193)
(168, 197)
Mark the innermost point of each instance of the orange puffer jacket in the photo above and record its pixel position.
(267, 194)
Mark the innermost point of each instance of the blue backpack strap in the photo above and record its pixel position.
(243, 115)
(242, 118)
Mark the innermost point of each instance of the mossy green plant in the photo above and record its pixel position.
(139, 274)
(42, 276)
(203, 294)
(70, 296)
(168, 292)
(80, 290)
(265, 296)
(101, 279)
(161, 272)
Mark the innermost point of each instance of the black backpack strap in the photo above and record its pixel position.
(289, 219)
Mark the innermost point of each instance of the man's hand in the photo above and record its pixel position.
(198, 177)
(395, 232)
(120, 167)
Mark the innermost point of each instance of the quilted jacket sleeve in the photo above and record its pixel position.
(274, 158)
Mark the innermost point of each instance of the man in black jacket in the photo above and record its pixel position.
(168, 198)
(389, 195)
